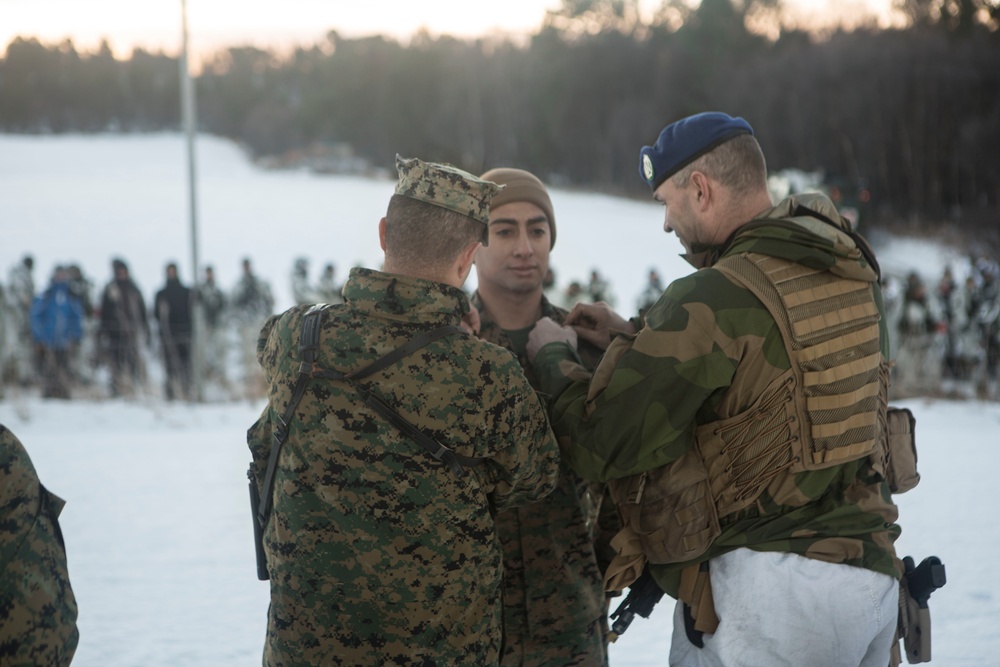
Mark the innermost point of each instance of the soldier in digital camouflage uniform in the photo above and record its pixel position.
(377, 553)
(554, 603)
(747, 455)
(37, 607)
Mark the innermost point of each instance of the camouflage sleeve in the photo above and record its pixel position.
(37, 605)
(259, 442)
(265, 333)
(525, 467)
(638, 411)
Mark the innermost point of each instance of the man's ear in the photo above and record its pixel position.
(466, 259)
(381, 233)
(703, 190)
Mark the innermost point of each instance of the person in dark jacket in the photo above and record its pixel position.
(173, 310)
(124, 327)
(56, 328)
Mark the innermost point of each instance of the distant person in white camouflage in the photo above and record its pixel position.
(920, 330)
(302, 291)
(37, 607)
(599, 290)
(250, 305)
(211, 303)
(574, 294)
(554, 604)
(381, 551)
(21, 363)
(84, 356)
(329, 290)
(651, 293)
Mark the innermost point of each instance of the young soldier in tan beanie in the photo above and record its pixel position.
(554, 604)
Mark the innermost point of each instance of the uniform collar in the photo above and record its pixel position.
(404, 298)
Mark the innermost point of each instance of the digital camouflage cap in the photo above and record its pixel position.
(446, 186)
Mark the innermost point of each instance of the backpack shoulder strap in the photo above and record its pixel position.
(457, 462)
(386, 360)
(308, 346)
(308, 352)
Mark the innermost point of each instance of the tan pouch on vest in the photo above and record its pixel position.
(628, 562)
(675, 521)
(901, 466)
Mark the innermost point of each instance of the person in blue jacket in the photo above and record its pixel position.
(56, 328)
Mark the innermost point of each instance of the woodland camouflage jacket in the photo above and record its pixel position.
(707, 348)
(378, 553)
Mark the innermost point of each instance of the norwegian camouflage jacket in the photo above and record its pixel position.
(707, 356)
(37, 607)
(378, 553)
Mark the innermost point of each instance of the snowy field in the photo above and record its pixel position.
(157, 521)
(86, 200)
(157, 528)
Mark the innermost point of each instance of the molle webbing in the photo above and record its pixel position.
(830, 327)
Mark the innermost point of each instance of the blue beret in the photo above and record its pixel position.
(686, 140)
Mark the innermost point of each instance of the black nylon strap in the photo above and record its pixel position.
(308, 348)
(308, 343)
(390, 358)
(452, 459)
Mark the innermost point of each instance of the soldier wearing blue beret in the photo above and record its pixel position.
(744, 429)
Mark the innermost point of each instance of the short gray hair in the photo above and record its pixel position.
(737, 164)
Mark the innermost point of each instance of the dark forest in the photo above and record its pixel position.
(910, 115)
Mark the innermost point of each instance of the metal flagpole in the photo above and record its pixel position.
(188, 116)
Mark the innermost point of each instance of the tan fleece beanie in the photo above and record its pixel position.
(522, 186)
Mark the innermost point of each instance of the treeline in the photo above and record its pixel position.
(911, 114)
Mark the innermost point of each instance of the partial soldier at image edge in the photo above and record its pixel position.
(38, 610)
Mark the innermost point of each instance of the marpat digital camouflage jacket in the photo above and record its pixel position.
(37, 606)
(378, 553)
(554, 602)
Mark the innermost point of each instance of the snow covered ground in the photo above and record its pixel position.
(88, 199)
(157, 522)
(157, 528)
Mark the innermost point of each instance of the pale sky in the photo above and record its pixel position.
(155, 24)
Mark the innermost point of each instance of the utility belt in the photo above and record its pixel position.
(260, 505)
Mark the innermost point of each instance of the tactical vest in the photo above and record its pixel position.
(828, 408)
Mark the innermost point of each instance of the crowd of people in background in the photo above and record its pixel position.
(946, 336)
(67, 338)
